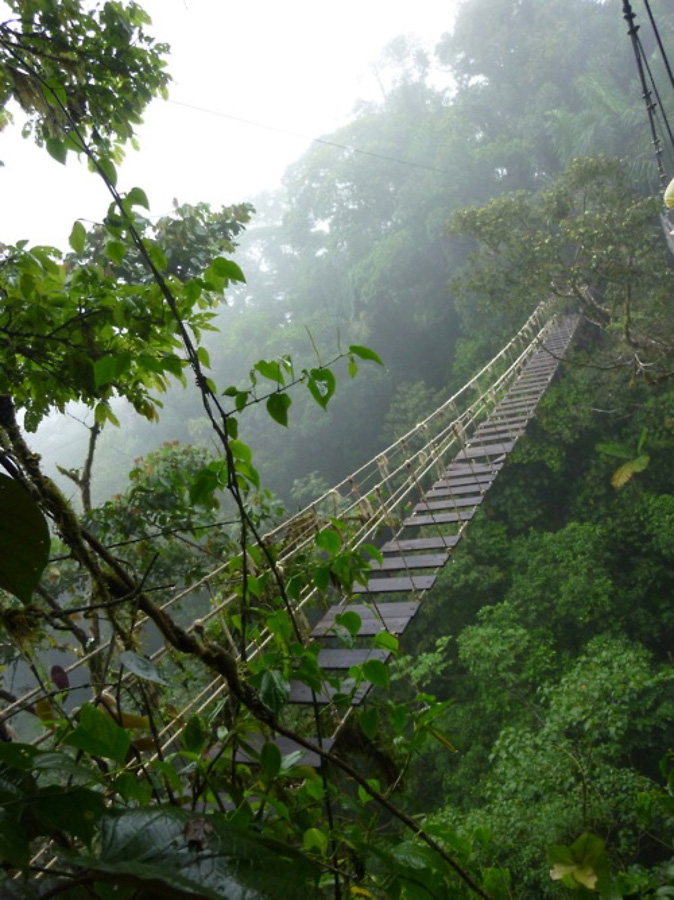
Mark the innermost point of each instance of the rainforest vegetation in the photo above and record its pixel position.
(521, 742)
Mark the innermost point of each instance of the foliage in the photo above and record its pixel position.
(79, 72)
(536, 717)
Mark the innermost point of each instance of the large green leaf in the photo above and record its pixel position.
(175, 852)
(274, 690)
(24, 540)
(141, 666)
(277, 407)
(97, 734)
(14, 843)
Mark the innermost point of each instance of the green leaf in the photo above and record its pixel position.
(206, 482)
(56, 149)
(369, 722)
(274, 690)
(241, 451)
(107, 168)
(73, 810)
(18, 756)
(321, 384)
(166, 851)
(195, 735)
(349, 620)
(321, 577)
(141, 667)
(376, 672)
(277, 407)
(270, 369)
(158, 258)
(24, 540)
(137, 197)
(613, 449)
(386, 641)
(130, 788)
(330, 540)
(365, 353)
(108, 368)
(14, 843)
(398, 716)
(412, 855)
(116, 251)
(78, 237)
(98, 735)
(313, 839)
(270, 761)
(580, 862)
(227, 268)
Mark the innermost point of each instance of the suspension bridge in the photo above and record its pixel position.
(412, 502)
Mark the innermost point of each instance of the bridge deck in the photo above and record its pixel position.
(433, 527)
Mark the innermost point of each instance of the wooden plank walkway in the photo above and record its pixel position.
(413, 558)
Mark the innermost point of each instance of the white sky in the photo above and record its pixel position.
(298, 66)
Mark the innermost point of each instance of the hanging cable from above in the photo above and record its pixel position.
(656, 32)
(653, 107)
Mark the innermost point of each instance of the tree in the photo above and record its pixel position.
(589, 239)
(113, 816)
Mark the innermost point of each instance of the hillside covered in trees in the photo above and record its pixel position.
(519, 744)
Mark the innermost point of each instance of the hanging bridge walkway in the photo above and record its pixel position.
(412, 502)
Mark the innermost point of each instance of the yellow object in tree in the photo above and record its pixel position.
(669, 195)
(108, 705)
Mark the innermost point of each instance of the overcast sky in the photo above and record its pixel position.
(296, 67)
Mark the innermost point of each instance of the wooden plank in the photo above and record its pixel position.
(460, 484)
(448, 503)
(508, 407)
(425, 543)
(472, 452)
(344, 658)
(472, 490)
(394, 625)
(285, 745)
(302, 693)
(395, 585)
(404, 563)
(389, 616)
(440, 518)
(501, 424)
(497, 434)
(526, 384)
(503, 417)
(467, 468)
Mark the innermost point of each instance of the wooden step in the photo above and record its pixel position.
(441, 518)
(344, 658)
(497, 434)
(478, 452)
(395, 585)
(467, 468)
(405, 563)
(285, 745)
(302, 693)
(462, 484)
(402, 545)
(463, 492)
(448, 503)
(392, 617)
